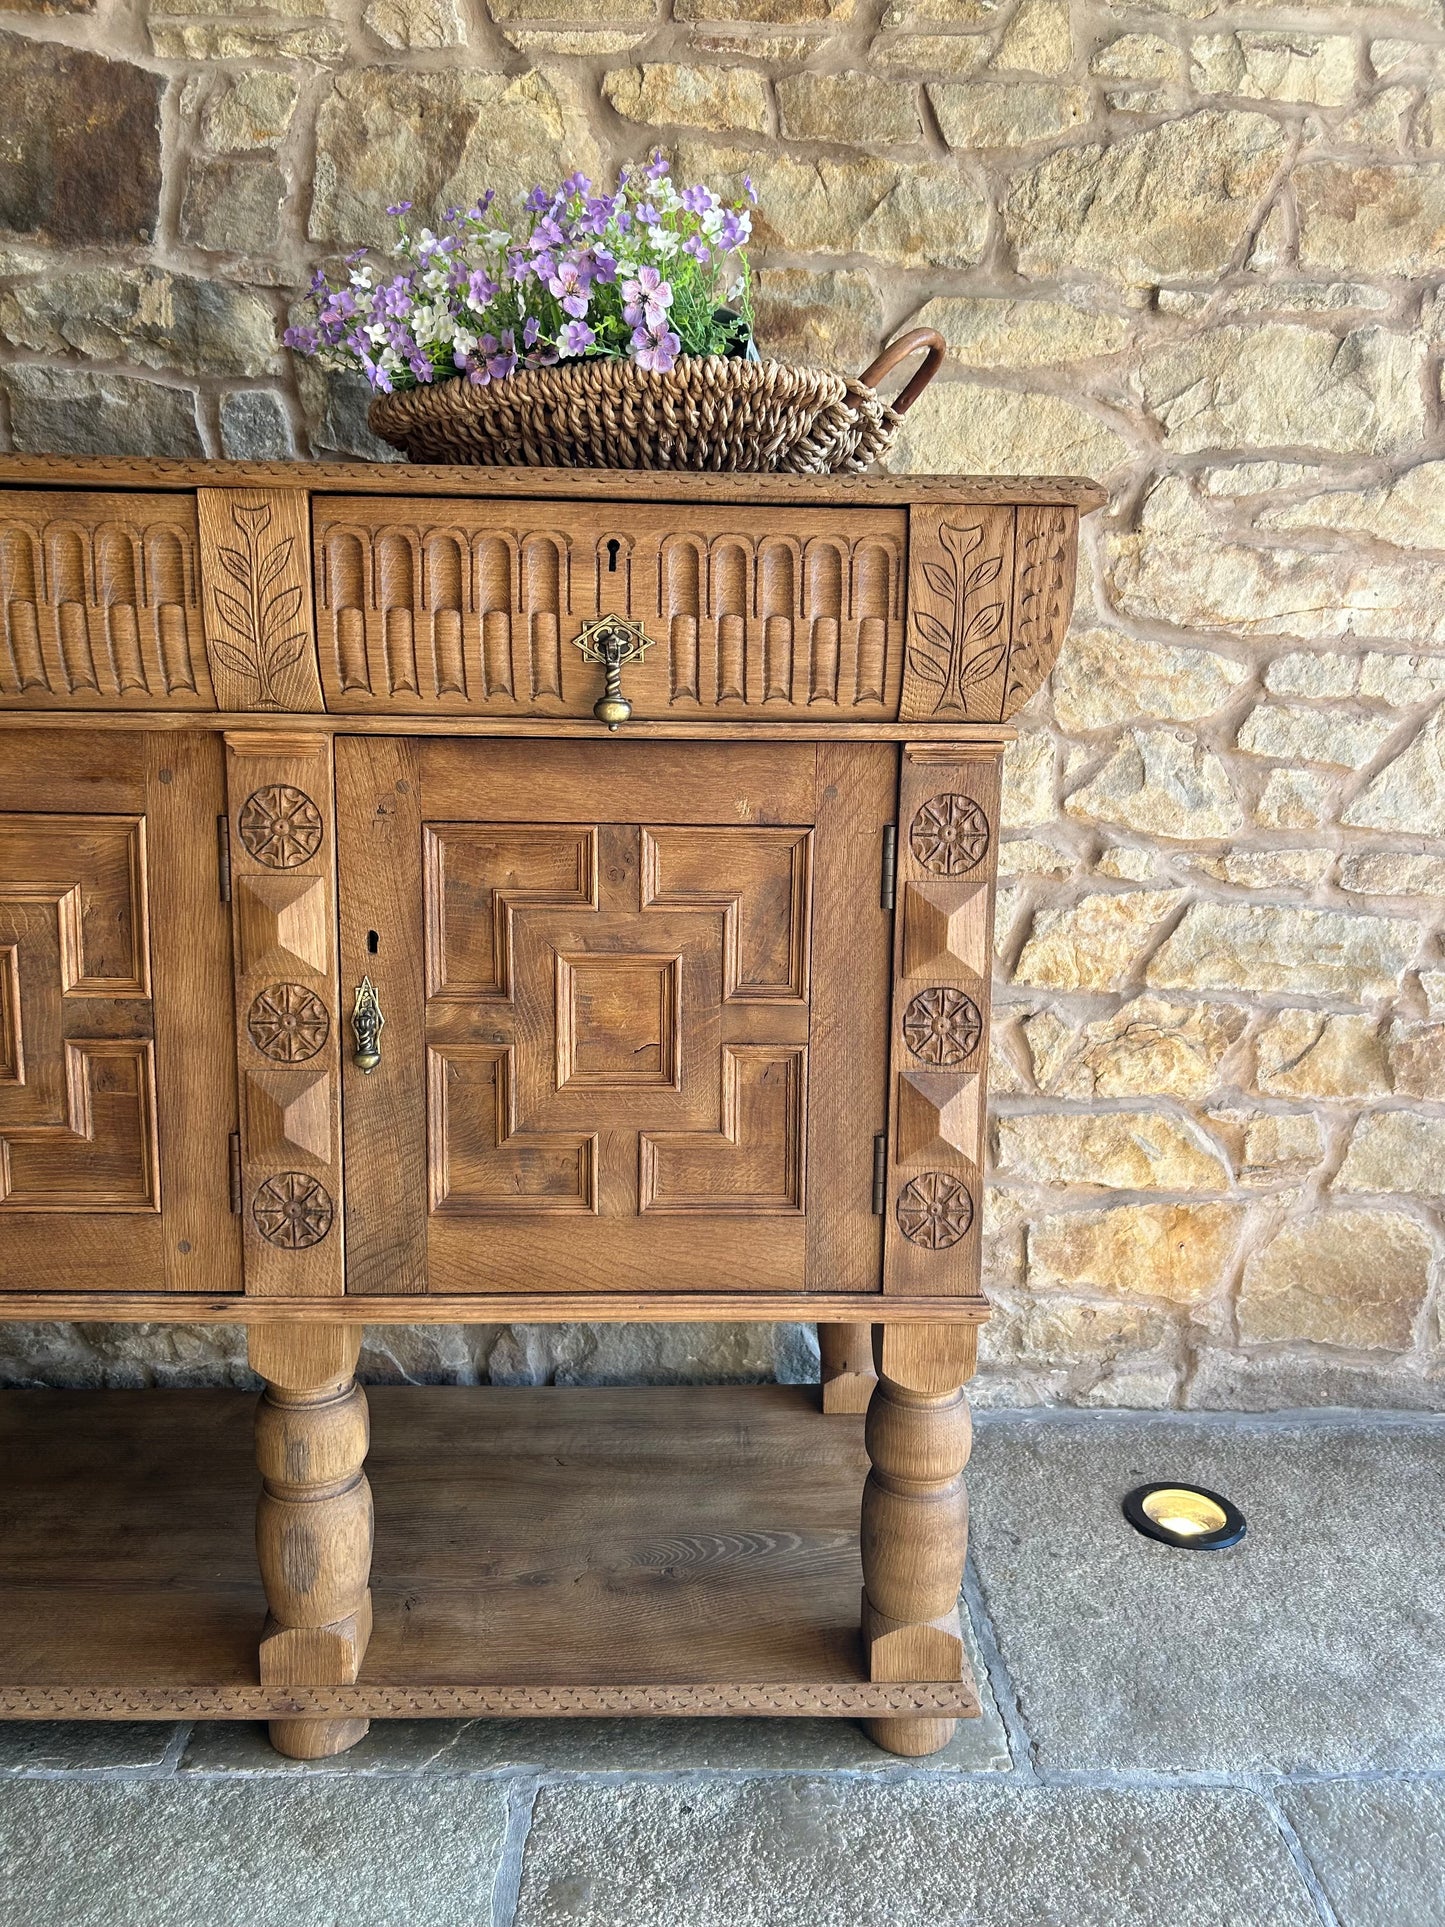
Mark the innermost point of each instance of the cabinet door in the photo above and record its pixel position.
(635, 999)
(117, 1083)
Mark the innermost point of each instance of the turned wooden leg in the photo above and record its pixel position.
(313, 1522)
(845, 1367)
(915, 1518)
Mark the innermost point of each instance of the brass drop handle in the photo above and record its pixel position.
(612, 641)
(366, 1023)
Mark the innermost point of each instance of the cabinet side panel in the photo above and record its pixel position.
(948, 807)
(849, 1029)
(379, 846)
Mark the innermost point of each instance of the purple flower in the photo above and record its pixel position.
(658, 355)
(399, 208)
(304, 340)
(531, 328)
(657, 166)
(501, 356)
(537, 200)
(604, 263)
(697, 200)
(648, 285)
(546, 234)
(733, 232)
(576, 338)
(420, 366)
(481, 288)
(752, 192)
(569, 283)
(698, 249)
(648, 215)
(577, 184)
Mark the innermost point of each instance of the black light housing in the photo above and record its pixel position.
(1189, 1516)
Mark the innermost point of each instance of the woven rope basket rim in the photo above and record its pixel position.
(708, 412)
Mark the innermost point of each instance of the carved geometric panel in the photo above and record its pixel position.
(281, 826)
(484, 1163)
(77, 1068)
(618, 1018)
(949, 835)
(287, 1023)
(754, 1161)
(942, 1025)
(938, 1115)
(470, 606)
(281, 923)
(935, 1210)
(289, 1112)
(292, 1210)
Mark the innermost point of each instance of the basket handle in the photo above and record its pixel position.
(900, 350)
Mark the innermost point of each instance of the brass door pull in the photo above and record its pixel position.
(612, 641)
(366, 1023)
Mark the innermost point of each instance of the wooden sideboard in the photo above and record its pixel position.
(353, 972)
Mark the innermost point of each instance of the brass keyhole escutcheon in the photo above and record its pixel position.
(366, 1023)
(613, 641)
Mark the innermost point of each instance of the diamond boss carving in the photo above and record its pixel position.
(281, 826)
(287, 1023)
(934, 1210)
(942, 1026)
(949, 835)
(293, 1210)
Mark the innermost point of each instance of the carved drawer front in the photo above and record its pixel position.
(107, 1022)
(602, 981)
(100, 602)
(472, 607)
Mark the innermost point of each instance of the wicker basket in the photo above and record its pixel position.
(707, 413)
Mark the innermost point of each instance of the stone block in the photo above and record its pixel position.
(1139, 1150)
(1308, 69)
(1417, 1060)
(1409, 512)
(1006, 113)
(1370, 220)
(931, 56)
(79, 113)
(1396, 1151)
(995, 332)
(848, 107)
(233, 206)
(1273, 385)
(255, 426)
(803, 13)
(1137, 56)
(447, 135)
(1409, 793)
(1313, 735)
(1390, 873)
(70, 411)
(1374, 1847)
(967, 428)
(1095, 943)
(1164, 782)
(725, 99)
(1278, 948)
(417, 23)
(1038, 40)
(829, 319)
(1106, 677)
(249, 112)
(1180, 1253)
(1148, 1048)
(1310, 1053)
(145, 316)
(1349, 1278)
(1173, 200)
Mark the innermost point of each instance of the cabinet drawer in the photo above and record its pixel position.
(472, 607)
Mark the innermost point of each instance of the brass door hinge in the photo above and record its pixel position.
(235, 1149)
(223, 857)
(880, 1172)
(890, 864)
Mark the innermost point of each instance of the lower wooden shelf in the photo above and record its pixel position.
(538, 1552)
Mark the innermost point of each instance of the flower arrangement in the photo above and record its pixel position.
(644, 274)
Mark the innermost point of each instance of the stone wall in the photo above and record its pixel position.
(1195, 248)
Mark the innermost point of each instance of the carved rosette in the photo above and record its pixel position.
(942, 1025)
(293, 1210)
(287, 1023)
(950, 835)
(280, 826)
(935, 1210)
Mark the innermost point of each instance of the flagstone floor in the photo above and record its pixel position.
(1250, 1738)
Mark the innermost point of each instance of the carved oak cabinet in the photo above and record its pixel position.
(353, 971)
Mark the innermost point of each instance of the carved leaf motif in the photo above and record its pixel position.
(983, 574)
(262, 618)
(984, 665)
(960, 543)
(276, 561)
(983, 622)
(922, 664)
(939, 579)
(237, 614)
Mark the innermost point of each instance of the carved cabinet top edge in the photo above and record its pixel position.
(661, 485)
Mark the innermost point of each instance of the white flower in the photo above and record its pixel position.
(664, 244)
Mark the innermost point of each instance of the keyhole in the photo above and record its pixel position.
(613, 549)
(373, 942)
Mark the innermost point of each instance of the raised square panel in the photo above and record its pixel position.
(482, 1165)
(282, 923)
(945, 923)
(754, 1161)
(619, 1021)
(938, 1115)
(104, 1156)
(94, 869)
(477, 875)
(289, 1112)
(761, 880)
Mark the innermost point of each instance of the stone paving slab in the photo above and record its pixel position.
(925, 1853)
(1377, 1848)
(1313, 1645)
(83, 1746)
(249, 1853)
